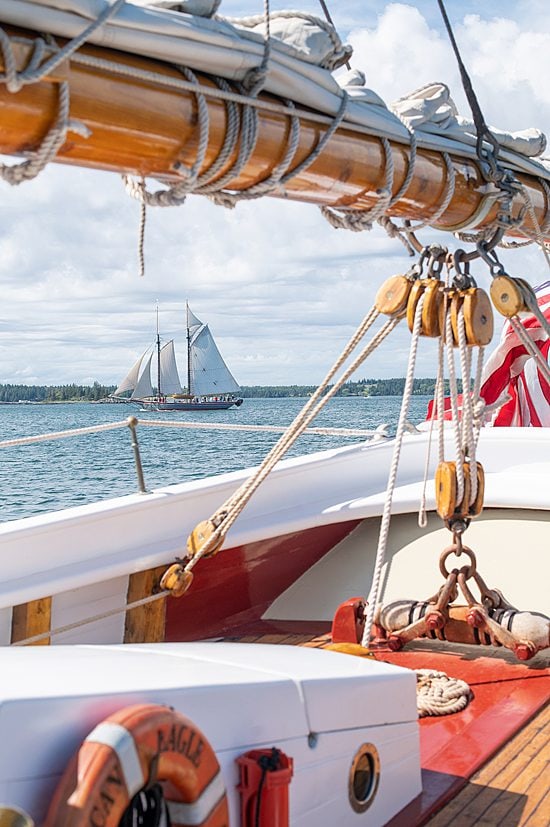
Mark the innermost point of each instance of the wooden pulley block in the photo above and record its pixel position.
(446, 490)
(478, 317)
(433, 290)
(446, 487)
(456, 305)
(507, 296)
(528, 293)
(444, 308)
(176, 580)
(198, 537)
(433, 299)
(392, 297)
(417, 290)
(477, 506)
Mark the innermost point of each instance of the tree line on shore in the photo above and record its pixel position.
(97, 392)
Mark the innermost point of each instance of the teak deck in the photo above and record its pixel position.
(487, 765)
(513, 788)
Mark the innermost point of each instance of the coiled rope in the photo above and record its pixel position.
(438, 694)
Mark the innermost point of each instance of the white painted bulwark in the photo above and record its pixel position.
(241, 696)
(54, 553)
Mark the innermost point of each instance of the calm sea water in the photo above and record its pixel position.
(53, 475)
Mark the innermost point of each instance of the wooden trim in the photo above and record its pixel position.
(145, 624)
(32, 618)
(147, 129)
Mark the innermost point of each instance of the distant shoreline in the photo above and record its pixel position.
(12, 394)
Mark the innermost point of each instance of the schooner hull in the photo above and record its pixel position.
(191, 406)
(148, 129)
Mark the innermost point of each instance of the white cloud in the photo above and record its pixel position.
(282, 291)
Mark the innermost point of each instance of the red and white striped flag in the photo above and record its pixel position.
(511, 369)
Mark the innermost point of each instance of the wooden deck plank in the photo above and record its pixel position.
(499, 774)
(535, 811)
(510, 788)
(540, 816)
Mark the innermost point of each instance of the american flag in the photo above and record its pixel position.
(511, 371)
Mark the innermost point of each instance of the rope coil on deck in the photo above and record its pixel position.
(438, 694)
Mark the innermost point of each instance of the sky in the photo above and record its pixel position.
(281, 290)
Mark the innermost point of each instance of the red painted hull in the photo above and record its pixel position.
(236, 587)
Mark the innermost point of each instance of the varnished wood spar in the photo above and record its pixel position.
(32, 618)
(146, 129)
(145, 624)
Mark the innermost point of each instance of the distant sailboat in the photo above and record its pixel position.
(210, 383)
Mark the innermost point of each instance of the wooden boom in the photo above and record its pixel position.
(145, 128)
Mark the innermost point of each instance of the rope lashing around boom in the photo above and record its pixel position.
(35, 71)
(241, 134)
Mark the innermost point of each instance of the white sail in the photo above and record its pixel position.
(169, 377)
(143, 387)
(209, 373)
(131, 379)
(193, 323)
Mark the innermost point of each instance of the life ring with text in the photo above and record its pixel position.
(137, 751)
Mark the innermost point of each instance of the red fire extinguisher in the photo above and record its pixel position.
(264, 782)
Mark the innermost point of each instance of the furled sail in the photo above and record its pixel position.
(131, 379)
(208, 371)
(346, 170)
(169, 377)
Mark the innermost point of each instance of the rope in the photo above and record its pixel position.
(226, 515)
(92, 619)
(211, 426)
(531, 347)
(267, 428)
(92, 429)
(359, 220)
(193, 181)
(438, 694)
(538, 233)
(15, 174)
(34, 72)
(469, 437)
(453, 393)
(374, 593)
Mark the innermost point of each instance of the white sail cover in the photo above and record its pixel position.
(303, 53)
(209, 373)
(131, 379)
(143, 387)
(169, 377)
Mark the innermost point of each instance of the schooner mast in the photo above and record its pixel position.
(158, 354)
(188, 349)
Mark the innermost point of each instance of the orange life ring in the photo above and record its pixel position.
(130, 750)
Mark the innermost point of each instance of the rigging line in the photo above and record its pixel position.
(324, 6)
(482, 129)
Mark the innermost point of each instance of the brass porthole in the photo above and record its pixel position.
(364, 776)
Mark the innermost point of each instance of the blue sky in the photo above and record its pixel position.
(281, 290)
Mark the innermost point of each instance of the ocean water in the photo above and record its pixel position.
(53, 475)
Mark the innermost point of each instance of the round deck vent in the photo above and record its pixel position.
(364, 776)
